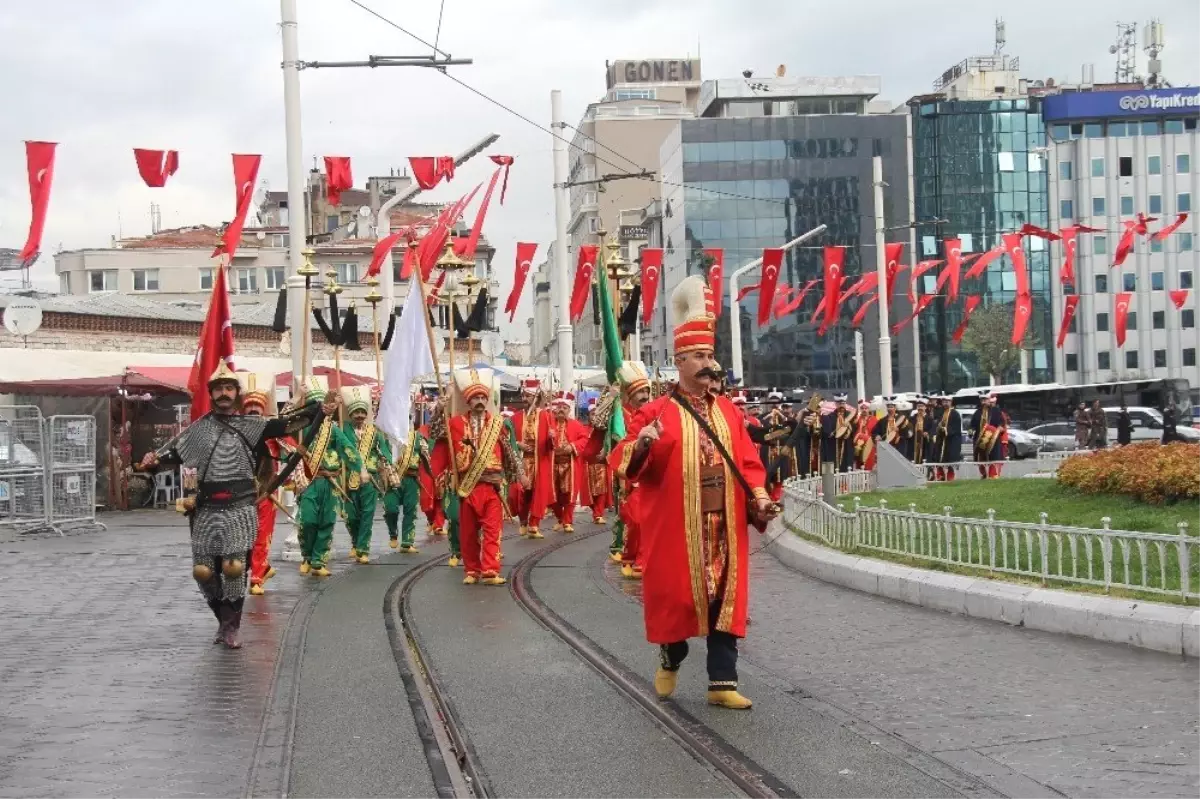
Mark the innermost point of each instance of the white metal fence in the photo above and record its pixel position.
(47, 470)
(856, 481)
(1106, 558)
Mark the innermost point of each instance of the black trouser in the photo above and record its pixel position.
(722, 654)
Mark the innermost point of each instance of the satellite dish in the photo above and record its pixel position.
(23, 316)
(579, 359)
(260, 236)
(364, 211)
(491, 344)
(780, 70)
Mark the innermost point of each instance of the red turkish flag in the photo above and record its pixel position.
(835, 259)
(862, 311)
(337, 177)
(382, 247)
(1142, 225)
(921, 305)
(505, 161)
(429, 249)
(716, 278)
(1178, 297)
(155, 166)
(431, 299)
(1162, 233)
(771, 261)
(652, 259)
(982, 262)
(429, 170)
(973, 301)
(1069, 244)
(782, 294)
(1125, 245)
(866, 284)
(918, 270)
(744, 291)
(1121, 316)
(584, 270)
(39, 163)
(245, 175)
(953, 268)
(891, 254)
(1021, 314)
(1041, 232)
(791, 305)
(525, 253)
(466, 247)
(410, 260)
(215, 345)
(1070, 303)
(1016, 251)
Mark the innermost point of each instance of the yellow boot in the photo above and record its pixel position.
(558, 527)
(353, 553)
(257, 590)
(270, 573)
(321, 571)
(409, 549)
(364, 559)
(535, 533)
(305, 567)
(524, 531)
(729, 698)
(568, 528)
(627, 571)
(453, 562)
(470, 579)
(493, 579)
(393, 543)
(615, 557)
(665, 682)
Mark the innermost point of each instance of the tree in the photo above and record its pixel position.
(989, 338)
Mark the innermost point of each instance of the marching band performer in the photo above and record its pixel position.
(364, 487)
(892, 427)
(806, 440)
(919, 424)
(568, 438)
(482, 455)
(532, 425)
(447, 500)
(778, 455)
(626, 547)
(692, 454)
(258, 400)
(223, 515)
(947, 438)
(864, 440)
(403, 495)
(837, 434)
(988, 430)
(597, 487)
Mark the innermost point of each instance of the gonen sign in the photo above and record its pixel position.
(661, 70)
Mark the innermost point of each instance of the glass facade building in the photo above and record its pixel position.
(747, 184)
(980, 165)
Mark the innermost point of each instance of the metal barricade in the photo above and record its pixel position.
(71, 471)
(22, 469)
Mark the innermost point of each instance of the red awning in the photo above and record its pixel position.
(133, 380)
(348, 378)
(175, 377)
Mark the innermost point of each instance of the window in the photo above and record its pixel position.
(1102, 361)
(928, 245)
(280, 240)
(1098, 167)
(206, 279)
(1183, 203)
(1156, 203)
(1187, 318)
(1101, 323)
(1117, 130)
(1076, 130)
(331, 224)
(1158, 319)
(966, 242)
(1154, 165)
(1126, 205)
(1173, 126)
(1099, 245)
(1094, 130)
(102, 280)
(1066, 210)
(1006, 162)
(593, 224)
(275, 278)
(145, 280)
(64, 283)
(1101, 284)
(1074, 326)
(1072, 362)
(347, 272)
(1156, 245)
(1185, 278)
(1131, 320)
(1160, 359)
(1097, 206)
(1060, 132)
(1151, 127)
(1183, 163)
(1185, 242)
(1129, 281)
(247, 281)
(1125, 166)
(1156, 281)
(590, 198)
(1131, 359)
(1189, 356)
(1064, 170)
(634, 94)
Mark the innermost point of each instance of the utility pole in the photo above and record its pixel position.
(295, 189)
(562, 209)
(860, 368)
(885, 341)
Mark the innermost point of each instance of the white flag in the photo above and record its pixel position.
(407, 358)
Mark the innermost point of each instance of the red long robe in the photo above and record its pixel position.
(631, 498)
(539, 466)
(597, 490)
(675, 596)
(575, 433)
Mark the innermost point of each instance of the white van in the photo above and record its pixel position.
(1147, 425)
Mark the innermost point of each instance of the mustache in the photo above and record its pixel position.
(709, 372)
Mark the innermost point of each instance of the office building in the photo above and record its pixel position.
(766, 160)
(979, 166)
(1114, 153)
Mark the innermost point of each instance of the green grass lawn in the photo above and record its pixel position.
(1022, 500)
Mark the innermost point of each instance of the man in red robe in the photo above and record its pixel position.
(483, 455)
(568, 438)
(532, 427)
(597, 485)
(258, 399)
(696, 543)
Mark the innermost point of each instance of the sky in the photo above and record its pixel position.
(204, 78)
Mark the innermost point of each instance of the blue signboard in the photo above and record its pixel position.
(1182, 102)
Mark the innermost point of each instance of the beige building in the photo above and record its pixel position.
(621, 133)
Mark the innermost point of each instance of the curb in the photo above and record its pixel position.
(1164, 628)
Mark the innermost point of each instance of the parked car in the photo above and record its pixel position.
(1055, 436)
(1147, 425)
(1020, 443)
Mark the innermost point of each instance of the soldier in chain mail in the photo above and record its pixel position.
(223, 449)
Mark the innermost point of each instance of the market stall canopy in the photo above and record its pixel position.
(131, 380)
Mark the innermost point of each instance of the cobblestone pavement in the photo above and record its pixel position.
(1029, 713)
(112, 684)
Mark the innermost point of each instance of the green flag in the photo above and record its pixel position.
(612, 360)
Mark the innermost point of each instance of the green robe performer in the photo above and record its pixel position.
(403, 500)
(364, 488)
(440, 469)
(330, 458)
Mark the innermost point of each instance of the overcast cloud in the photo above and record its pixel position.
(103, 77)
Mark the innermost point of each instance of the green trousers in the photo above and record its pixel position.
(360, 516)
(402, 500)
(618, 539)
(318, 513)
(450, 505)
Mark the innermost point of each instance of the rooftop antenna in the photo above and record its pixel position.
(1125, 50)
(1154, 40)
(1001, 40)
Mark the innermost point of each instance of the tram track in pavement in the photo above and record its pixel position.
(456, 768)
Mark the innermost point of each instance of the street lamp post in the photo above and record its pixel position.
(735, 321)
